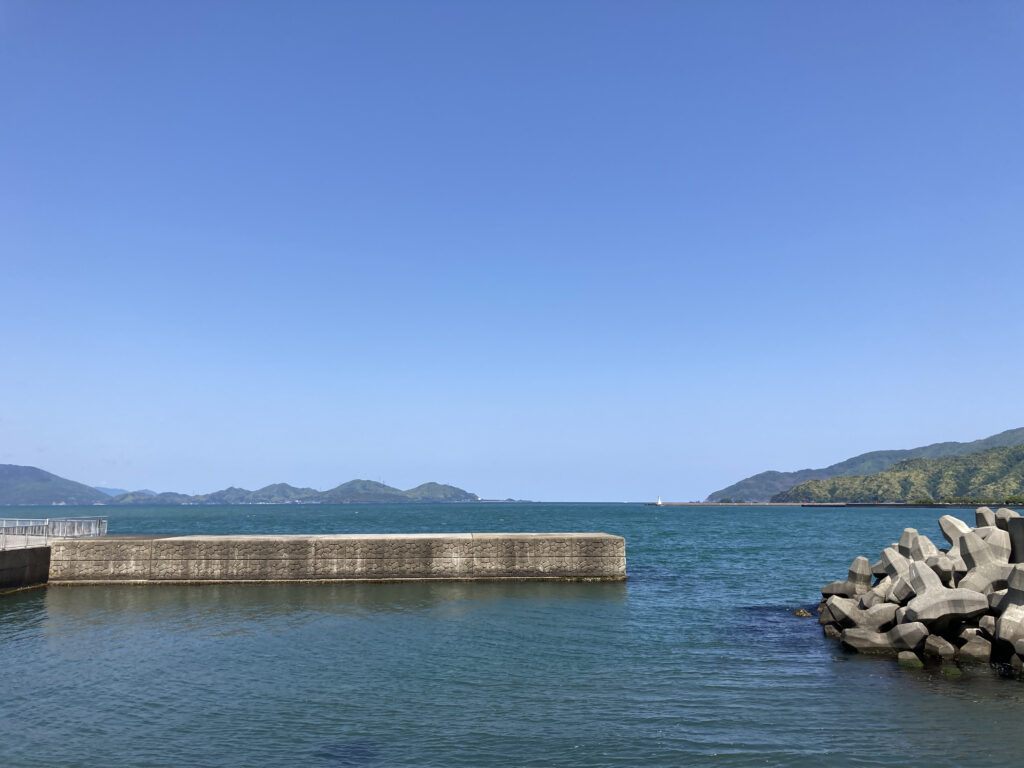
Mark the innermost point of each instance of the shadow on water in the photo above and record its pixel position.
(976, 682)
(779, 628)
(20, 613)
(377, 595)
(349, 753)
(218, 603)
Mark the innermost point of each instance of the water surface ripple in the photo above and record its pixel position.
(696, 660)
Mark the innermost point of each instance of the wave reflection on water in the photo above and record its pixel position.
(696, 660)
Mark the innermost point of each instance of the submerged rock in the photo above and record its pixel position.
(939, 648)
(977, 650)
(909, 660)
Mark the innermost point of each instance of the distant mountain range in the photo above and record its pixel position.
(993, 476)
(28, 486)
(765, 486)
(354, 491)
(119, 491)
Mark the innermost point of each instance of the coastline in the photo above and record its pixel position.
(894, 504)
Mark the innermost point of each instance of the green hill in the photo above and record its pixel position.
(362, 491)
(766, 485)
(123, 491)
(281, 493)
(227, 496)
(436, 492)
(111, 491)
(370, 491)
(145, 497)
(996, 475)
(31, 486)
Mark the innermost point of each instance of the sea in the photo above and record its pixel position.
(696, 660)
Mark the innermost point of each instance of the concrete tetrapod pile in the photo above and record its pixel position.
(963, 603)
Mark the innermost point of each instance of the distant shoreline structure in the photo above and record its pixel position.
(899, 504)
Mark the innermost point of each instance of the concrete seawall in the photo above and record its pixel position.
(357, 557)
(23, 567)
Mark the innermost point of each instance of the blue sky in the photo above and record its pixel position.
(551, 250)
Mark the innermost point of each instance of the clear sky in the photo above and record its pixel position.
(552, 250)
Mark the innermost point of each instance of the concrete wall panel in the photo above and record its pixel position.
(27, 567)
(343, 557)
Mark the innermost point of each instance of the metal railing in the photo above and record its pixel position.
(21, 533)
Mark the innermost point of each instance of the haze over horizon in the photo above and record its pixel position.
(562, 251)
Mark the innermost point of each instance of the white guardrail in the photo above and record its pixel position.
(18, 534)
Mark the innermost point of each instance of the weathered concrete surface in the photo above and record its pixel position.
(1015, 528)
(936, 605)
(953, 528)
(976, 650)
(939, 648)
(984, 516)
(962, 605)
(902, 637)
(909, 660)
(846, 613)
(858, 581)
(366, 557)
(24, 567)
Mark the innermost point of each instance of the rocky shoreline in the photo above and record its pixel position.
(963, 604)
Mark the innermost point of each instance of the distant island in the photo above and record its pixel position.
(31, 486)
(769, 486)
(995, 476)
(120, 491)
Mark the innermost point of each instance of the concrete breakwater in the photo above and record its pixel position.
(343, 557)
(24, 567)
(963, 603)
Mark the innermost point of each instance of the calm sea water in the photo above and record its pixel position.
(696, 660)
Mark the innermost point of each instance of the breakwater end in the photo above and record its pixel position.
(339, 557)
(25, 567)
(960, 604)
